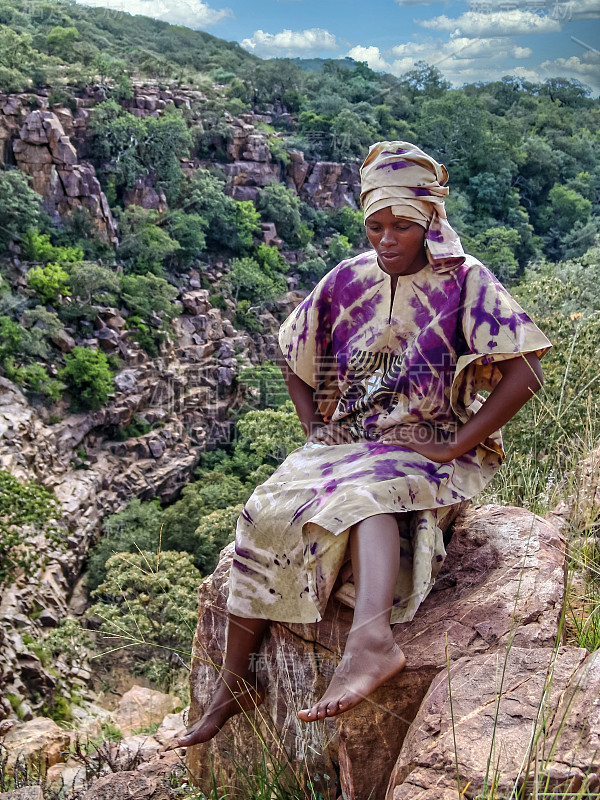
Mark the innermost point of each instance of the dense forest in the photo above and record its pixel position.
(524, 165)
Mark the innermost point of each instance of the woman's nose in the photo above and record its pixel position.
(387, 236)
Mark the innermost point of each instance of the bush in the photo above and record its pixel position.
(339, 248)
(213, 491)
(88, 378)
(249, 282)
(92, 285)
(50, 282)
(144, 245)
(39, 248)
(21, 505)
(280, 205)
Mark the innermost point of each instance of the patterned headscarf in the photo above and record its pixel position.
(401, 175)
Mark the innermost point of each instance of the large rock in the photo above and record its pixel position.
(534, 712)
(40, 739)
(140, 707)
(502, 580)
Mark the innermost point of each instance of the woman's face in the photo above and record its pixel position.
(398, 242)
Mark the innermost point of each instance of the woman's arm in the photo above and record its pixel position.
(302, 396)
(521, 378)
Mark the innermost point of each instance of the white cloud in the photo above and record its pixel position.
(290, 43)
(495, 23)
(194, 14)
(583, 9)
(371, 55)
(455, 54)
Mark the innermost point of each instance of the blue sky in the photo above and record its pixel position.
(474, 40)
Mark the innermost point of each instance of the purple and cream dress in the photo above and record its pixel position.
(377, 358)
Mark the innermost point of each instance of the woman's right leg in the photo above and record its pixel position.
(244, 637)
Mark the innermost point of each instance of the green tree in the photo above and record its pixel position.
(38, 247)
(135, 528)
(339, 248)
(214, 532)
(167, 140)
(149, 600)
(92, 285)
(281, 205)
(148, 294)
(189, 230)
(213, 491)
(60, 41)
(88, 377)
(496, 248)
(19, 206)
(144, 245)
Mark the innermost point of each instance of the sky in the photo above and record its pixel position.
(470, 40)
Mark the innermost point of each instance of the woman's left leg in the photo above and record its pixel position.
(371, 655)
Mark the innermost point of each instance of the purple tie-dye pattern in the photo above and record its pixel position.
(418, 191)
(384, 373)
(434, 235)
(395, 165)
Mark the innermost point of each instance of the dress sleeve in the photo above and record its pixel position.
(494, 328)
(305, 341)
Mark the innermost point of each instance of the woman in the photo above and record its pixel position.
(383, 361)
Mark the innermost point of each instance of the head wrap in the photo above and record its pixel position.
(401, 175)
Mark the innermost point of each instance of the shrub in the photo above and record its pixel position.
(249, 282)
(39, 248)
(50, 282)
(339, 248)
(21, 505)
(280, 205)
(88, 378)
(19, 204)
(144, 245)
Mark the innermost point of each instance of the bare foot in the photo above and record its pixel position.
(368, 662)
(226, 701)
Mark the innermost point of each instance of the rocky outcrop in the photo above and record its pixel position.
(535, 712)
(45, 152)
(502, 582)
(185, 394)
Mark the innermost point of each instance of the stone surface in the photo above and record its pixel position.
(148, 782)
(27, 793)
(171, 726)
(501, 703)
(45, 152)
(502, 578)
(140, 707)
(39, 738)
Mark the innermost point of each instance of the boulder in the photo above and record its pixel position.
(39, 739)
(140, 707)
(535, 712)
(502, 581)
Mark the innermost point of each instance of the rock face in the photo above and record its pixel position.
(45, 152)
(534, 711)
(502, 581)
(187, 390)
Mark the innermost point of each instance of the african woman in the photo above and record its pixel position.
(383, 361)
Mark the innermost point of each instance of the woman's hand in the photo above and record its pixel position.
(330, 433)
(423, 439)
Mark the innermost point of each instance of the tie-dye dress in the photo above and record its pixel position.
(377, 358)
